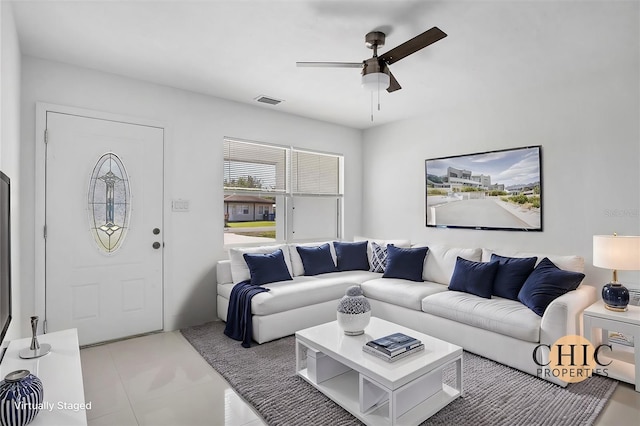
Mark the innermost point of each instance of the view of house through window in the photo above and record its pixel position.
(274, 193)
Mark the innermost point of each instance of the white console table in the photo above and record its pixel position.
(61, 375)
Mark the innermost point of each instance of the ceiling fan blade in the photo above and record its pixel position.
(393, 84)
(411, 46)
(330, 64)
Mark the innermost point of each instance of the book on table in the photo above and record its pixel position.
(395, 357)
(393, 344)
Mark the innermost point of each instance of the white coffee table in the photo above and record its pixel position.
(405, 392)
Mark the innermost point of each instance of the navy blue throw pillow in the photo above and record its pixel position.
(267, 268)
(352, 256)
(405, 263)
(317, 260)
(473, 277)
(546, 283)
(511, 275)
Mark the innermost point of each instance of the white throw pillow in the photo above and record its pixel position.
(296, 260)
(571, 263)
(441, 261)
(240, 270)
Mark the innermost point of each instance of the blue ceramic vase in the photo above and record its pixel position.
(21, 397)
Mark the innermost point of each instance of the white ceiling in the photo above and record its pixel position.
(240, 49)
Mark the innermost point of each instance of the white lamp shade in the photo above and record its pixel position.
(375, 81)
(616, 252)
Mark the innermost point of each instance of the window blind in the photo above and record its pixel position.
(253, 167)
(314, 174)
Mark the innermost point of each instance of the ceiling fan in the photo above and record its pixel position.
(375, 70)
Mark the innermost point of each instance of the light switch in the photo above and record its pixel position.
(180, 205)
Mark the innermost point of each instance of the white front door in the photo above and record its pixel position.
(104, 227)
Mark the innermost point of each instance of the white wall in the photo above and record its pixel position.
(10, 153)
(588, 126)
(196, 125)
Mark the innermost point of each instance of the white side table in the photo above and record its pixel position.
(625, 366)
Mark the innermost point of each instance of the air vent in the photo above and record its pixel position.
(267, 100)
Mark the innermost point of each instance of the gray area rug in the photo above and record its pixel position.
(494, 394)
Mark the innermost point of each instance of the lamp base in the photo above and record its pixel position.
(611, 308)
(615, 297)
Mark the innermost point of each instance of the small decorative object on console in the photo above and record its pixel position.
(21, 396)
(35, 350)
(616, 252)
(354, 311)
(621, 339)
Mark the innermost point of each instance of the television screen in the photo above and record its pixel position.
(491, 190)
(5, 255)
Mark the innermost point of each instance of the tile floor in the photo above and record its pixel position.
(158, 380)
(161, 380)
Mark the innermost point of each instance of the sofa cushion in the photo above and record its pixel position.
(567, 263)
(474, 277)
(223, 272)
(546, 283)
(400, 292)
(316, 260)
(296, 261)
(288, 295)
(240, 270)
(503, 316)
(267, 268)
(354, 277)
(406, 263)
(441, 261)
(351, 256)
(224, 290)
(511, 275)
(378, 257)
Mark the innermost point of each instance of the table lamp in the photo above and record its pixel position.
(617, 252)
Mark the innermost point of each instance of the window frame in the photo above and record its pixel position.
(286, 197)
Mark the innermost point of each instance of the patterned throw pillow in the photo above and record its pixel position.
(378, 258)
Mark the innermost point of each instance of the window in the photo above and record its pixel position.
(315, 196)
(109, 203)
(290, 194)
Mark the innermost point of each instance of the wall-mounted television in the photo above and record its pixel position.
(5, 255)
(498, 190)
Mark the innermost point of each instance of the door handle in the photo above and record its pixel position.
(156, 245)
(156, 231)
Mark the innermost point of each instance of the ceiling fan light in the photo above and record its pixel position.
(375, 81)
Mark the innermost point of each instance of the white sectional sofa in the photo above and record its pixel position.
(500, 329)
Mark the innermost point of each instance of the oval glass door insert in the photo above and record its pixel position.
(109, 203)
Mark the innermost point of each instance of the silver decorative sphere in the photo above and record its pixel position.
(354, 311)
